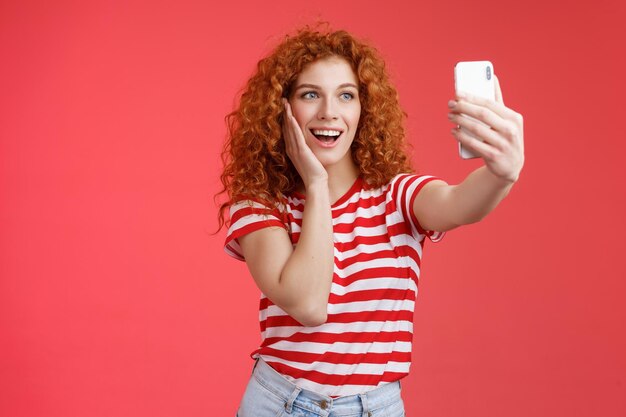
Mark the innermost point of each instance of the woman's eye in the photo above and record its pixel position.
(312, 94)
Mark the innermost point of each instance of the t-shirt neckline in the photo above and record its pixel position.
(355, 186)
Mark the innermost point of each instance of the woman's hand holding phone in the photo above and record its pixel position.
(302, 157)
(501, 143)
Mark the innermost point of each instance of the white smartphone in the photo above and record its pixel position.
(475, 78)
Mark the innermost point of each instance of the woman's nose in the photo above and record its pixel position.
(327, 110)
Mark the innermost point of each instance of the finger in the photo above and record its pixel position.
(498, 108)
(298, 135)
(285, 120)
(288, 107)
(499, 98)
(287, 132)
(482, 149)
(478, 112)
(299, 147)
(481, 132)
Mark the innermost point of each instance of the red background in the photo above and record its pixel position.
(116, 300)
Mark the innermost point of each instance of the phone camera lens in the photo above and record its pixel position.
(488, 71)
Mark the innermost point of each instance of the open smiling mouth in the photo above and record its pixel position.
(327, 137)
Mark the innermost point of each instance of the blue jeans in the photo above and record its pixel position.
(269, 394)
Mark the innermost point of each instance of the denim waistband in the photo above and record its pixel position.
(380, 397)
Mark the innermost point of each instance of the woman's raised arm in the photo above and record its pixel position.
(500, 144)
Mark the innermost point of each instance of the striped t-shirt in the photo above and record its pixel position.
(366, 340)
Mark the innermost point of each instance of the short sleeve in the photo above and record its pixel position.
(405, 187)
(248, 216)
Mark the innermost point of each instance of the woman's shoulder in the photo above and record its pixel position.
(394, 181)
(406, 185)
(410, 177)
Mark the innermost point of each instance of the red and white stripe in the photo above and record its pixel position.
(366, 341)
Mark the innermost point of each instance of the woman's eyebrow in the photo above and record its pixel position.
(317, 87)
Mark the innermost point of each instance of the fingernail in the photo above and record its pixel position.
(450, 116)
(451, 103)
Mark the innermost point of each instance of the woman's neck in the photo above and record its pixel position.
(340, 183)
(340, 179)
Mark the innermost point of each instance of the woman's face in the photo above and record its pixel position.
(325, 102)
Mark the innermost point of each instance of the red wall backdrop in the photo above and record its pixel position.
(115, 300)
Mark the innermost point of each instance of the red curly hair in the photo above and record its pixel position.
(256, 164)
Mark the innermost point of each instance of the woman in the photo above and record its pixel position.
(331, 222)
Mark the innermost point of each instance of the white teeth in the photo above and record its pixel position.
(326, 132)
